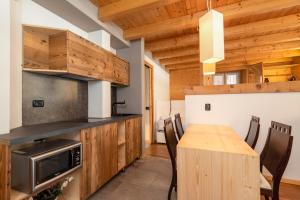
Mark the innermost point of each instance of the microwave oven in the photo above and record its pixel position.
(40, 164)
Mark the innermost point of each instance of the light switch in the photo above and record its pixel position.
(207, 107)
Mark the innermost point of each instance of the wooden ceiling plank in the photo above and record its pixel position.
(121, 8)
(236, 10)
(193, 39)
(229, 60)
(194, 50)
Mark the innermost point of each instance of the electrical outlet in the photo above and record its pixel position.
(37, 103)
(207, 107)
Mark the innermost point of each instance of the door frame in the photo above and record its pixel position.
(151, 102)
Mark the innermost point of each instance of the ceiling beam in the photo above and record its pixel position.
(193, 50)
(234, 58)
(180, 60)
(174, 42)
(236, 10)
(294, 45)
(160, 47)
(265, 56)
(122, 8)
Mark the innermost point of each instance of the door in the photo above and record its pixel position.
(149, 136)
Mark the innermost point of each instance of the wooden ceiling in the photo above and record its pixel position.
(255, 30)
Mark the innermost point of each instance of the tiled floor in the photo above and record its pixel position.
(146, 179)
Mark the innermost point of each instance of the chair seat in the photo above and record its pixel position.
(264, 184)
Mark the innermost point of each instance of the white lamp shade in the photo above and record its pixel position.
(211, 37)
(209, 68)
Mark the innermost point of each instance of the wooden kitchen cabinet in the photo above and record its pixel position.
(120, 71)
(61, 52)
(100, 157)
(133, 131)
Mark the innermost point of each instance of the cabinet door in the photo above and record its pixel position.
(100, 162)
(120, 71)
(133, 139)
(137, 137)
(85, 58)
(108, 152)
(86, 173)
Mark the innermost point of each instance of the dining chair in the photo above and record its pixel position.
(281, 127)
(171, 141)
(253, 132)
(275, 158)
(178, 126)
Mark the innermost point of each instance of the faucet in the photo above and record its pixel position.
(114, 107)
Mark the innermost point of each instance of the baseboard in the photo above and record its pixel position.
(284, 180)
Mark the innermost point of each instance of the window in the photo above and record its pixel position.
(218, 79)
(230, 78)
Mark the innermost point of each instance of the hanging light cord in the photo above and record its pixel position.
(208, 5)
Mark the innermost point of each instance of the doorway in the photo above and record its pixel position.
(149, 112)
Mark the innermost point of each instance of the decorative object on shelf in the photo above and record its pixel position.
(55, 191)
(292, 78)
(49, 194)
(211, 37)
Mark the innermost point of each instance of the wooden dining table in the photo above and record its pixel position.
(214, 163)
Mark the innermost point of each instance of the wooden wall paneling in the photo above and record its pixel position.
(296, 71)
(208, 80)
(244, 76)
(184, 79)
(5, 172)
(255, 73)
(291, 86)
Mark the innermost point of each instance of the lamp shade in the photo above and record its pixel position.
(209, 68)
(211, 37)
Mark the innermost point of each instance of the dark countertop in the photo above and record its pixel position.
(29, 133)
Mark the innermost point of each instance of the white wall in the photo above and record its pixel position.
(27, 12)
(134, 94)
(235, 110)
(5, 66)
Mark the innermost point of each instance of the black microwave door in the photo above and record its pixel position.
(50, 167)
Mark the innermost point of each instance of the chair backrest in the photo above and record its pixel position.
(178, 125)
(281, 127)
(171, 140)
(276, 154)
(253, 132)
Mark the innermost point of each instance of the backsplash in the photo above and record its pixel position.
(64, 99)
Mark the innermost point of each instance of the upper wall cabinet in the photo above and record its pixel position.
(61, 52)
